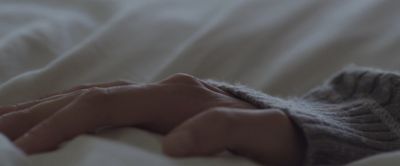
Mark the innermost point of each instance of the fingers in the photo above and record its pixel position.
(7, 109)
(13, 125)
(24, 105)
(80, 116)
(96, 85)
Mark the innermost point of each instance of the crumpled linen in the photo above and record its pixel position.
(281, 47)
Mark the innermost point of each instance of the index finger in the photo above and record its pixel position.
(72, 120)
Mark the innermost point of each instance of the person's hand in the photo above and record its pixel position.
(267, 136)
(209, 119)
(45, 123)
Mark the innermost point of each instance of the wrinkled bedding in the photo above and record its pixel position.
(281, 47)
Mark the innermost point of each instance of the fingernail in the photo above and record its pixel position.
(179, 144)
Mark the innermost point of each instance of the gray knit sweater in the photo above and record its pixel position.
(352, 116)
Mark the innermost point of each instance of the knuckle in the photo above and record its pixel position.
(122, 82)
(83, 86)
(182, 78)
(94, 94)
(75, 88)
(17, 106)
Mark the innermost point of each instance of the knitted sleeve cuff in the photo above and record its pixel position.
(338, 127)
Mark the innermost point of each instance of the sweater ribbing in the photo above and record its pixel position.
(351, 116)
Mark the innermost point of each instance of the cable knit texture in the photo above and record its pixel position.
(351, 116)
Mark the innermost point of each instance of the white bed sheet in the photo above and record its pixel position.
(281, 47)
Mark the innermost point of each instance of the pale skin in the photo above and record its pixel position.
(196, 118)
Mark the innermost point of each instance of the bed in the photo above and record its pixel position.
(283, 48)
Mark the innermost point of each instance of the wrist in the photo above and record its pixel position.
(299, 145)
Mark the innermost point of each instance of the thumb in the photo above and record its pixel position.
(267, 136)
(207, 133)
